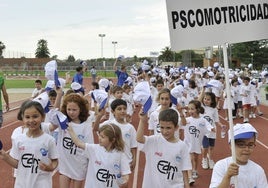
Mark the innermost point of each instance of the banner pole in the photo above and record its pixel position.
(230, 116)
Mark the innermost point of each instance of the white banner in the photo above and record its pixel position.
(202, 23)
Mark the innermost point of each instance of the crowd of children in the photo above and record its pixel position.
(182, 125)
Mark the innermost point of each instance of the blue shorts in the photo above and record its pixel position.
(208, 142)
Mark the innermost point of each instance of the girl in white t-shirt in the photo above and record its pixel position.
(34, 153)
(72, 161)
(108, 165)
(208, 100)
(195, 128)
(164, 100)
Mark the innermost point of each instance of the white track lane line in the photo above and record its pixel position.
(10, 124)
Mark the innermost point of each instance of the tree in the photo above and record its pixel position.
(251, 52)
(71, 58)
(167, 55)
(2, 47)
(42, 50)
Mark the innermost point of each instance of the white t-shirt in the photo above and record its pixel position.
(128, 134)
(246, 90)
(212, 116)
(36, 92)
(29, 152)
(17, 132)
(129, 99)
(73, 162)
(153, 122)
(250, 175)
(104, 167)
(194, 131)
(165, 162)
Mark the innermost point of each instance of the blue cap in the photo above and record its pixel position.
(147, 105)
(63, 121)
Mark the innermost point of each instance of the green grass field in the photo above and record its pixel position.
(29, 83)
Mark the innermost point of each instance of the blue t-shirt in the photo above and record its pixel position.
(122, 76)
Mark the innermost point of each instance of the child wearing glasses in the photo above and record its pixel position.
(249, 173)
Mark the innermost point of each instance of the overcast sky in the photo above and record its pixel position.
(72, 27)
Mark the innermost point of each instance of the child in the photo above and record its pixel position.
(159, 85)
(225, 102)
(208, 100)
(119, 109)
(38, 88)
(167, 157)
(108, 166)
(192, 91)
(235, 88)
(34, 153)
(19, 130)
(73, 163)
(196, 127)
(128, 97)
(248, 173)
(164, 99)
(116, 93)
(245, 92)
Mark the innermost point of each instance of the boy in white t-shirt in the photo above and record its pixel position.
(249, 174)
(38, 88)
(167, 157)
(246, 93)
(119, 110)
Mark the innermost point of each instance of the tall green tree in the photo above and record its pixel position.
(42, 50)
(2, 47)
(251, 52)
(167, 55)
(71, 58)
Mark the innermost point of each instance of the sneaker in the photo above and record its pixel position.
(250, 115)
(253, 116)
(260, 113)
(211, 164)
(205, 163)
(191, 181)
(245, 120)
(194, 174)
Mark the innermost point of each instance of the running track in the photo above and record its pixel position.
(221, 150)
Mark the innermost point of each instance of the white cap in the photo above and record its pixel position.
(176, 93)
(50, 68)
(142, 95)
(243, 131)
(76, 86)
(100, 97)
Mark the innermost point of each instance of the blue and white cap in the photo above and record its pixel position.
(100, 97)
(50, 68)
(43, 99)
(83, 63)
(176, 92)
(243, 131)
(214, 83)
(77, 87)
(62, 120)
(104, 84)
(142, 95)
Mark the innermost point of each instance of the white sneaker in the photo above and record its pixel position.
(250, 115)
(246, 120)
(194, 174)
(191, 181)
(253, 116)
(211, 164)
(205, 163)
